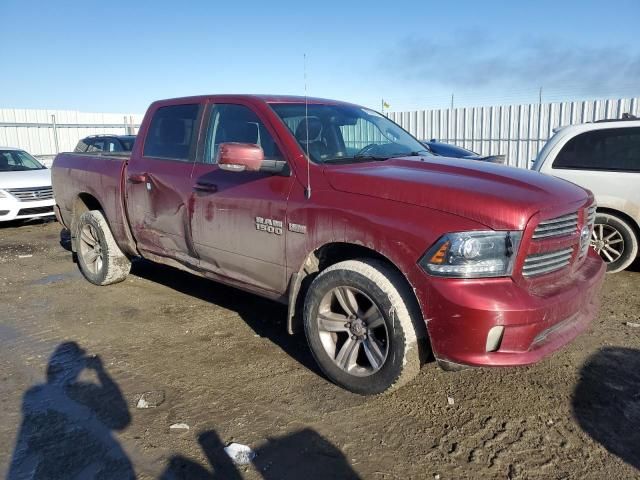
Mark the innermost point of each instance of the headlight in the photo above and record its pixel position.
(472, 254)
(2, 194)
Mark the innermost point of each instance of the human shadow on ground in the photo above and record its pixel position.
(264, 316)
(606, 401)
(67, 425)
(303, 454)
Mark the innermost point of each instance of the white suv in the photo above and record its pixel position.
(604, 157)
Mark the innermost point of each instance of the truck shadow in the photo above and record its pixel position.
(606, 401)
(302, 454)
(266, 318)
(68, 423)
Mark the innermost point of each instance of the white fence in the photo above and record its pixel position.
(517, 131)
(46, 132)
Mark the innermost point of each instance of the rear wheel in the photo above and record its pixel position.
(359, 328)
(100, 259)
(615, 241)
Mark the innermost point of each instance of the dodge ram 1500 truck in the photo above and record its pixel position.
(385, 255)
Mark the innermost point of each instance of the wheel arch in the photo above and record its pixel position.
(83, 202)
(330, 254)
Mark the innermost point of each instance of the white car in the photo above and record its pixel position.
(25, 186)
(604, 157)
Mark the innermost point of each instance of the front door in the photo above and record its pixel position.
(239, 218)
(159, 182)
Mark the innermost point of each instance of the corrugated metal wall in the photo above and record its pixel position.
(34, 130)
(517, 131)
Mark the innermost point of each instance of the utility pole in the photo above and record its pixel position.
(382, 106)
(540, 97)
(452, 101)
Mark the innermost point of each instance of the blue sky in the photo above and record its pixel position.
(118, 56)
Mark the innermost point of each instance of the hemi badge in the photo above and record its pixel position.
(297, 228)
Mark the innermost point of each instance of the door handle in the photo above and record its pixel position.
(138, 178)
(205, 187)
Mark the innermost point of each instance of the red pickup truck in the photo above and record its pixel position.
(385, 254)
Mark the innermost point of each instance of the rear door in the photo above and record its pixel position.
(159, 181)
(239, 218)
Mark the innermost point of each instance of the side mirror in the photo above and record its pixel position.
(240, 157)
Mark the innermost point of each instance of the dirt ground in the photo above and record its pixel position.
(224, 365)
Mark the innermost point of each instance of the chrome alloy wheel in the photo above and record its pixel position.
(90, 249)
(353, 331)
(607, 242)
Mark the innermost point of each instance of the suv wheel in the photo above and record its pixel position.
(615, 241)
(100, 259)
(359, 327)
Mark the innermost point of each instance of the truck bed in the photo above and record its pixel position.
(99, 175)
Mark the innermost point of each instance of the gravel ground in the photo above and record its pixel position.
(219, 360)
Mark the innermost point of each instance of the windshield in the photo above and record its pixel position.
(17, 160)
(345, 133)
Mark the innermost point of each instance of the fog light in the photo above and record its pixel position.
(494, 338)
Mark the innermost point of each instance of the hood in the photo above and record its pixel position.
(26, 179)
(496, 196)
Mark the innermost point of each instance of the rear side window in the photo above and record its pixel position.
(81, 146)
(615, 149)
(173, 133)
(96, 145)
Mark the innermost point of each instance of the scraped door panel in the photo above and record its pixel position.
(239, 225)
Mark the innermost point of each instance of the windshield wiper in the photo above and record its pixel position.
(418, 153)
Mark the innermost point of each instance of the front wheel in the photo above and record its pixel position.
(100, 259)
(615, 241)
(359, 327)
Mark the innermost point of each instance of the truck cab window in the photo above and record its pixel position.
(173, 133)
(237, 123)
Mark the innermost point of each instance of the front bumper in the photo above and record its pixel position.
(462, 313)
(13, 209)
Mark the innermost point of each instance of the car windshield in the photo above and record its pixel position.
(17, 160)
(346, 133)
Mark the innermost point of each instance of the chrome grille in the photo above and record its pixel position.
(541, 263)
(31, 194)
(557, 227)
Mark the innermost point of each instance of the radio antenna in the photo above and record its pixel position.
(306, 128)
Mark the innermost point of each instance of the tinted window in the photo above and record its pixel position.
(173, 132)
(611, 149)
(113, 145)
(127, 143)
(96, 145)
(237, 123)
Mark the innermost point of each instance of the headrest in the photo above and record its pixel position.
(315, 130)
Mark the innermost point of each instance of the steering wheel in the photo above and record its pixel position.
(368, 150)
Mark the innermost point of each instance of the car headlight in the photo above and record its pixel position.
(472, 254)
(2, 194)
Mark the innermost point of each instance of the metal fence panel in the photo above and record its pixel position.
(45, 132)
(517, 131)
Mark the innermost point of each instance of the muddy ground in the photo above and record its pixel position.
(226, 368)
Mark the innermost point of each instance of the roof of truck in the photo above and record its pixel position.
(264, 98)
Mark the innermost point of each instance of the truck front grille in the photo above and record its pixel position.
(541, 263)
(557, 227)
(32, 194)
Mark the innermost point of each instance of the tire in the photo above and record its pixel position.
(386, 356)
(615, 241)
(102, 263)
